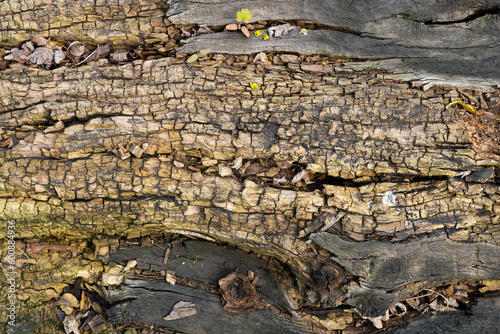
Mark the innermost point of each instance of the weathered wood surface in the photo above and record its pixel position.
(349, 130)
(388, 267)
(484, 318)
(148, 301)
(456, 40)
(391, 154)
(122, 23)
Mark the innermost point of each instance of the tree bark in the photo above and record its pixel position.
(344, 169)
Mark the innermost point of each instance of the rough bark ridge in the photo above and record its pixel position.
(163, 146)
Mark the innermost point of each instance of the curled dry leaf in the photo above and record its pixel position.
(54, 128)
(67, 302)
(76, 49)
(17, 55)
(398, 309)
(238, 161)
(40, 41)
(281, 30)
(41, 56)
(413, 302)
(102, 51)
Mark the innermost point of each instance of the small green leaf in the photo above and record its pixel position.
(192, 58)
(244, 15)
(204, 52)
(254, 85)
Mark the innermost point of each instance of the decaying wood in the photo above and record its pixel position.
(202, 263)
(384, 268)
(99, 154)
(439, 41)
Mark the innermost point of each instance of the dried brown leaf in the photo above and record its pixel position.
(452, 302)
(3, 63)
(16, 54)
(42, 56)
(76, 49)
(68, 299)
(413, 303)
(398, 309)
(97, 324)
(435, 305)
(40, 41)
(449, 291)
(165, 257)
(253, 169)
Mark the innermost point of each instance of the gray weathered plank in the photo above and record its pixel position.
(384, 268)
(387, 265)
(451, 39)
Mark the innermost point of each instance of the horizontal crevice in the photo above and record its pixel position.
(474, 16)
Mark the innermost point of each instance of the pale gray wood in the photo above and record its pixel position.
(148, 302)
(387, 265)
(452, 40)
(384, 268)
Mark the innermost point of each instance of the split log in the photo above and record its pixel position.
(154, 146)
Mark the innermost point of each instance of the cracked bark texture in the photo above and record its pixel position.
(394, 157)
